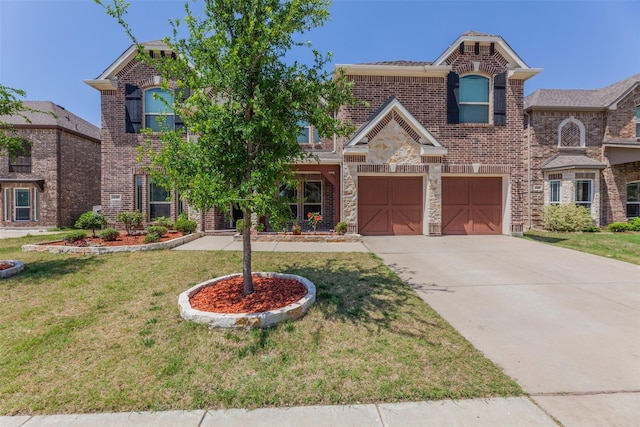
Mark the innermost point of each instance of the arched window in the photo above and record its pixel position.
(157, 113)
(571, 133)
(474, 99)
(633, 199)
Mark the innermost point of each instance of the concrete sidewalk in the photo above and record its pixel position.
(226, 243)
(507, 412)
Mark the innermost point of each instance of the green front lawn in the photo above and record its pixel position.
(103, 333)
(621, 246)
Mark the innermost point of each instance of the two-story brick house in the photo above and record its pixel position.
(583, 147)
(437, 150)
(56, 177)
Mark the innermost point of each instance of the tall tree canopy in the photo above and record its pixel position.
(246, 105)
(12, 105)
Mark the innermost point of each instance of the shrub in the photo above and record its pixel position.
(618, 227)
(341, 227)
(109, 234)
(186, 226)
(239, 226)
(634, 223)
(591, 229)
(164, 222)
(157, 229)
(568, 217)
(151, 238)
(91, 220)
(75, 236)
(130, 220)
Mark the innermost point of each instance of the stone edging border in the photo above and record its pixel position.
(247, 320)
(18, 266)
(99, 250)
(303, 238)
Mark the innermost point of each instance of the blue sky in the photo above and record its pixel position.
(48, 47)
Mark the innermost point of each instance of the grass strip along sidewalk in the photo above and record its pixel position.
(102, 333)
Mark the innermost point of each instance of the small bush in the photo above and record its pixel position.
(157, 229)
(186, 226)
(91, 220)
(591, 229)
(240, 226)
(74, 236)
(341, 227)
(163, 221)
(568, 217)
(634, 223)
(619, 227)
(151, 238)
(130, 220)
(109, 234)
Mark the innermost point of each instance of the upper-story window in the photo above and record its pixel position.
(638, 122)
(474, 99)
(571, 133)
(469, 99)
(157, 113)
(20, 159)
(308, 135)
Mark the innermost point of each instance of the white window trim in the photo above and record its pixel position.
(559, 201)
(36, 205)
(150, 202)
(581, 127)
(15, 206)
(488, 103)
(144, 107)
(627, 202)
(311, 133)
(7, 204)
(591, 190)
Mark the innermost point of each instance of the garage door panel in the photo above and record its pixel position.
(390, 205)
(471, 205)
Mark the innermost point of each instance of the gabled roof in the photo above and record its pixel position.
(429, 144)
(65, 119)
(571, 161)
(440, 68)
(108, 79)
(600, 99)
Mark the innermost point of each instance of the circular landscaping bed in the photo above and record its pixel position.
(220, 302)
(9, 268)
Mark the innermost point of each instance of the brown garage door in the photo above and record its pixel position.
(471, 205)
(389, 206)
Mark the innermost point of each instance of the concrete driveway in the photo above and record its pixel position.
(564, 324)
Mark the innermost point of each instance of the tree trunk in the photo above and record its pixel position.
(246, 253)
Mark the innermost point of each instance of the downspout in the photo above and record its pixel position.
(58, 178)
(529, 174)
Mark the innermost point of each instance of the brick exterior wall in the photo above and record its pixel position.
(69, 164)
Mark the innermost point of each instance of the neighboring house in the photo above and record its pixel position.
(585, 149)
(56, 176)
(437, 150)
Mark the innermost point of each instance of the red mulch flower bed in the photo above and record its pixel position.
(123, 240)
(5, 265)
(227, 296)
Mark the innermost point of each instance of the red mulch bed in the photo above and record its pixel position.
(227, 296)
(5, 265)
(123, 240)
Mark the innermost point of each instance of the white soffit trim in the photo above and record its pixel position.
(614, 104)
(500, 44)
(394, 104)
(394, 70)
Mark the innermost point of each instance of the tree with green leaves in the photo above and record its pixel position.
(12, 105)
(247, 103)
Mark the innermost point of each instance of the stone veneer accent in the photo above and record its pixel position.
(247, 320)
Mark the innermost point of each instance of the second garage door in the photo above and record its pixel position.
(389, 205)
(471, 205)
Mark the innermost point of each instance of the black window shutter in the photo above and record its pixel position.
(453, 91)
(500, 99)
(178, 120)
(133, 108)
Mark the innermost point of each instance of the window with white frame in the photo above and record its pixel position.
(158, 114)
(633, 199)
(474, 99)
(312, 201)
(22, 204)
(555, 186)
(159, 203)
(308, 134)
(584, 193)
